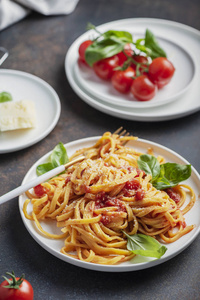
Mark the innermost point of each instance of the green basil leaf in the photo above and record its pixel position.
(171, 174)
(145, 245)
(102, 49)
(152, 44)
(139, 44)
(124, 36)
(5, 96)
(149, 164)
(111, 43)
(42, 169)
(165, 175)
(59, 156)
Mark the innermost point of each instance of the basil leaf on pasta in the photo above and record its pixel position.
(149, 164)
(165, 175)
(41, 169)
(58, 157)
(145, 245)
(171, 174)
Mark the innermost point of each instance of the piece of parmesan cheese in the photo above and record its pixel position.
(17, 115)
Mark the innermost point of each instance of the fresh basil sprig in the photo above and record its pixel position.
(145, 245)
(58, 157)
(150, 46)
(5, 96)
(165, 175)
(108, 44)
(112, 42)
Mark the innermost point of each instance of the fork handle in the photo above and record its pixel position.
(4, 56)
(25, 187)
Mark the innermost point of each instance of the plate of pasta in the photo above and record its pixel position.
(130, 204)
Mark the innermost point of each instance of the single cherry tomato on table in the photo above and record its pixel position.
(122, 80)
(161, 71)
(128, 51)
(105, 68)
(143, 89)
(82, 49)
(15, 288)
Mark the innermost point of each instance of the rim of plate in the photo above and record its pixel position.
(55, 97)
(124, 267)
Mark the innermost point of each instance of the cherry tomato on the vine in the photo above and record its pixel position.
(17, 288)
(161, 71)
(128, 51)
(105, 68)
(143, 89)
(82, 49)
(122, 80)
(140, 59)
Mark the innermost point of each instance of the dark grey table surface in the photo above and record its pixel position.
(38, 45)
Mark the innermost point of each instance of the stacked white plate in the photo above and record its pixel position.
(179, 98)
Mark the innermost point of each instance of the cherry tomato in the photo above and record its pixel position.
(161, 71)
(122, 80)
(123, 56)
(104, 68)
(19, 289)
(82, 49)
(139, 195)
(141, 60)
(143, 89)
(173, 195)
(39, 190)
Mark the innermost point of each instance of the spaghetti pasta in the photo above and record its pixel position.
(97, 199)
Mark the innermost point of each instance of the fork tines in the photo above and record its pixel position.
(120, 132)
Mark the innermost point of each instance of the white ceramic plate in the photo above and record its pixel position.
(184, 88)
(104, 90)
(23, 86)
(54, 246)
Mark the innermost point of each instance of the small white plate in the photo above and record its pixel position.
(138, 263)
(24, 86)
(175, 36)
(104, 90)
